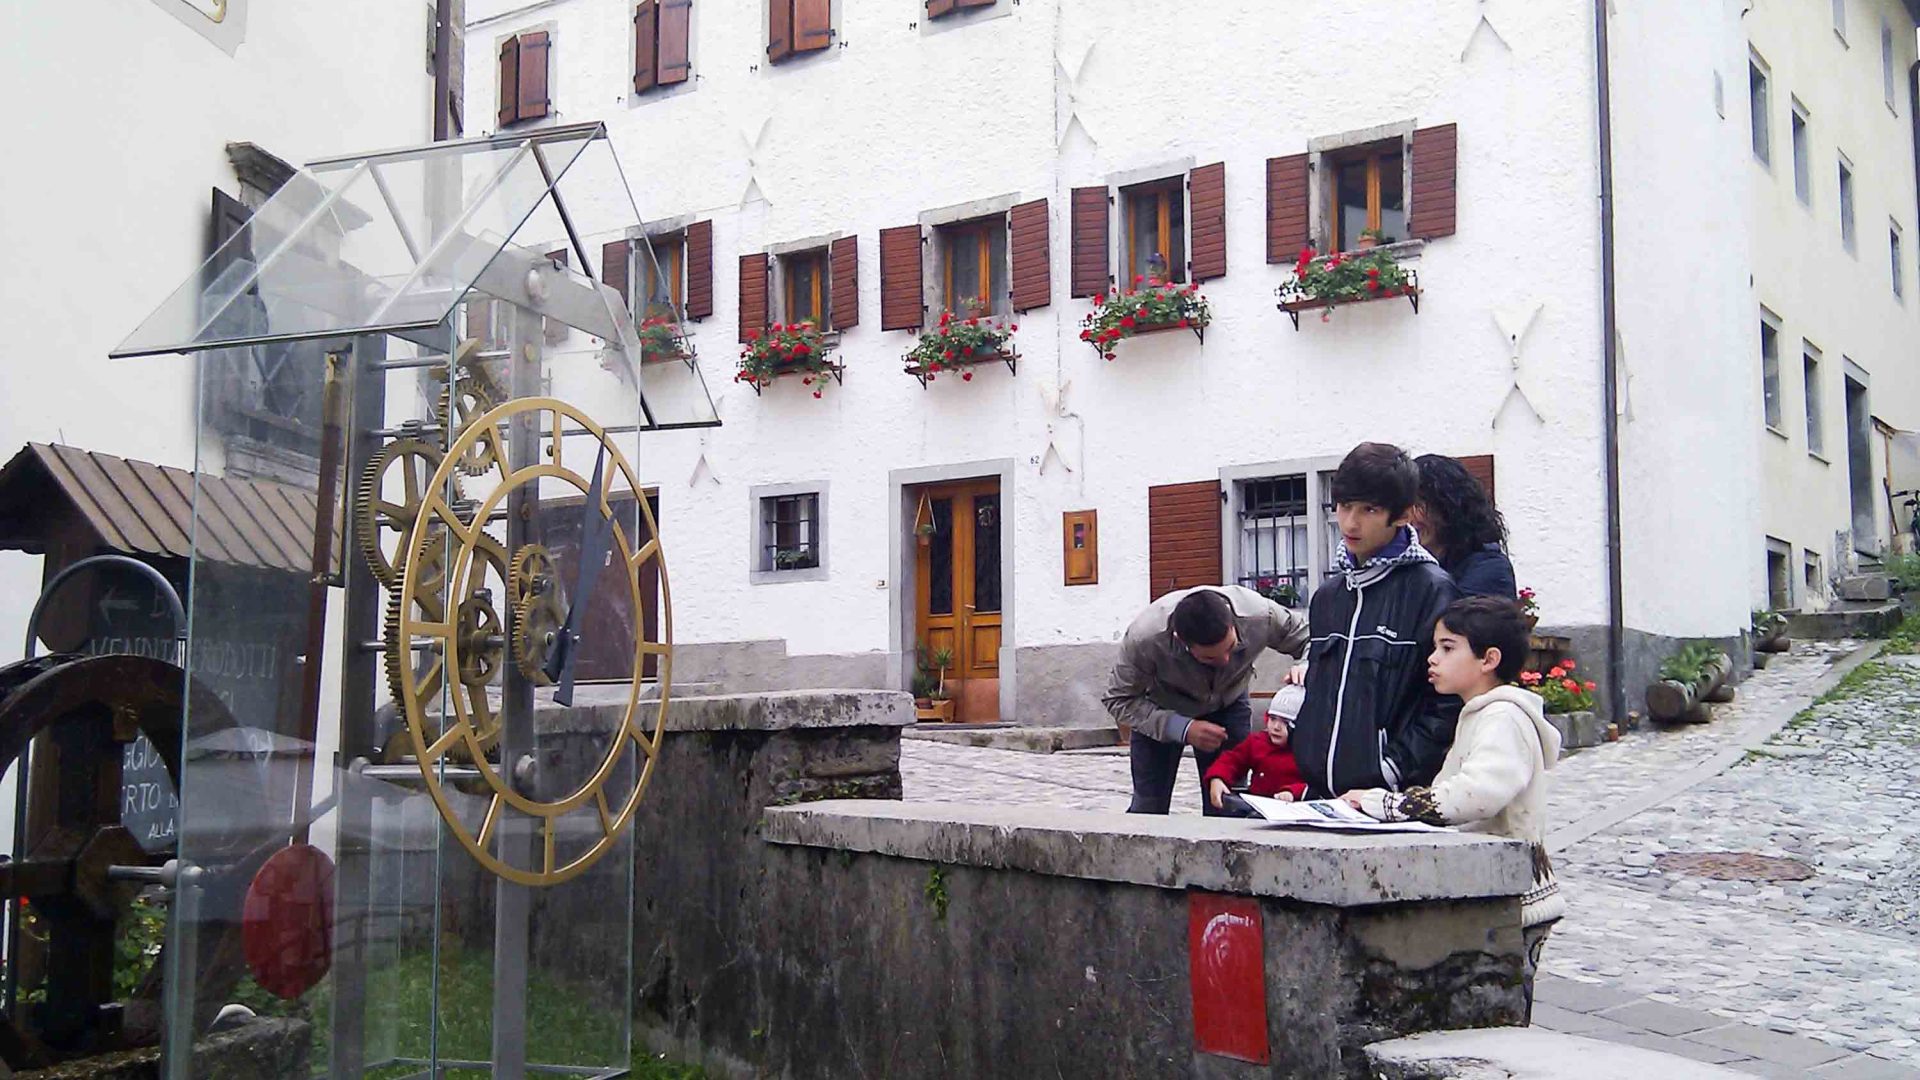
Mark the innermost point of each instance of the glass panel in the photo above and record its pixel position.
(1273, 538)
(806, 291)
(986, 553)
(999, 293)
(789, 532)
(1393, 204)
(940, 560)
(660, 277)
(1176, 233)
(1846, 206)
(1350, 194)
(1802, 166)
(1770, 372)
(964, 295)
(1811, 362)
(1757, 108)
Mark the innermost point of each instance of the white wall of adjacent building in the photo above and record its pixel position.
(1028, 101)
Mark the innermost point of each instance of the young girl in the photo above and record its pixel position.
(1494, 779)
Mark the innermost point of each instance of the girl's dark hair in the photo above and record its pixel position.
(1465, 517)
(1491, 622)
(1377, 473)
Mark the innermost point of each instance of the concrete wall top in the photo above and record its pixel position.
(600, 708)
(1172, 852)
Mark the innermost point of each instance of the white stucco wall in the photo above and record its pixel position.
(1688, 331)
(1841, 302)
(1048, 95)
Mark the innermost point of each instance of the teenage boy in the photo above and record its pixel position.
(1371, 719)
(1182, 677)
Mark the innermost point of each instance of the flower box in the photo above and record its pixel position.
(799, 349)
(662, 343)
(1149, 307)
(1326, 282)
(958, 345)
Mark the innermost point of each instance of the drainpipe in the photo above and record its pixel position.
(442, 70)
(1610, 375)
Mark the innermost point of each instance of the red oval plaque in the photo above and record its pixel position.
(286, 923)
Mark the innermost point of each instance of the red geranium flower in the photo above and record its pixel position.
(1572, 687)
(1590, 686)
(966, 376)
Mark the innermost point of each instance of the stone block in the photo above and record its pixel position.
(1529, 1054)
(1568, 1022)
(1661, 1018)
(1847, 619)
(1578, 730)
(1862, 1067)
(1577, 996)
(1866, 587)
(1772, 1046)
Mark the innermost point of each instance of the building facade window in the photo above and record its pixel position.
(1155, 223)
(1770, 370)
(1810, 360)
(973, 266)
(789, 532)
(525, 59)
(1758, 108)
(1274, 518)
(1367, 191)
(806, 288)
(1897, 253)
(1802, 157)
(1840, 20)
(662, 33)
(1886, 64)
(798, 27)
(1846, 204)
(661, 281)
(1779, 575)
(1815, 579)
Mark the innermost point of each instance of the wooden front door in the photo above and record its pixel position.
(958, 587)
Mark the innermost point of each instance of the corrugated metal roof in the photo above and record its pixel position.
(144, 509)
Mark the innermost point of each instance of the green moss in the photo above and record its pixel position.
(936, 892)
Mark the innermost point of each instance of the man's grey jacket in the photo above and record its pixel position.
(1159, 688)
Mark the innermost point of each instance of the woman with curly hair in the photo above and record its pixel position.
(1457, 521)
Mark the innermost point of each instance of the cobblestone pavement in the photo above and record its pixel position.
(1827, 968)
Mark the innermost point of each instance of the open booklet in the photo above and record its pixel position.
(1328, 814)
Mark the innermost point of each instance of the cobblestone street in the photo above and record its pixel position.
(1779, 977)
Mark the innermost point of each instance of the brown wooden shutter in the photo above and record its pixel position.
(753, 296)
(902, 306)
(614, 258)
(977, 3)
(646, 46)
(533, 75)
(509, 81)
(1207, 215)
(844, 285)
(1480, 467)
(1089, 231)
(812, 25)
(937, 8)
(1288, 181)
(700, 269)
(676, 24)
(1433, 200)
(1027, 229)
(1183, 536)
(779, 30)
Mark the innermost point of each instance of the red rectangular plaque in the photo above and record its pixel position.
(1226, 967)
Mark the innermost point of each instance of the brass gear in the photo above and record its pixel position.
(482, 653)
(474, 393)
(533, 571)
(374, 513)
(427, 598)
(536, 618)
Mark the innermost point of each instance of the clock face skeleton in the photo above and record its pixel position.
(527, 819)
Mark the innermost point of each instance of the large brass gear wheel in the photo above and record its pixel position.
(529, 825)
(535, 620)
(374, 513)
(474, 393)
(476, 623)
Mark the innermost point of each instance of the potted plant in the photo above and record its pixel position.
(796, 349)
(1369, 239)
(957, 344)
(1559, 689)
(1278, 590)
(660, 341)
(1770, 632)
(1530, 608)
(1695, 674)
(1148, 306)
(1341, 278)
(938, 706)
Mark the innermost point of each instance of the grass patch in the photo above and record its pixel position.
(1906, 636)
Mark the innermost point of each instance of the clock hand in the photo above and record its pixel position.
(596, 533)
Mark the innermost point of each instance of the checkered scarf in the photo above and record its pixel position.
(1403, 550)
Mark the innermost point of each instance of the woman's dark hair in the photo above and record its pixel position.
(1202, 618)
(1491, 622)
(1460, 515)
(1377, 473)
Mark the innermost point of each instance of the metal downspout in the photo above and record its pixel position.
(1610, 375)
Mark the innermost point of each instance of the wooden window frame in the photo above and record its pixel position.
(1373, 154)
(821, 296)
(1163, 191)
(983, 227)
(673, 267)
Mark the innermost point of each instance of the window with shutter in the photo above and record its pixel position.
(1183, 536)
(902, 306)
(973, 267)
(1365, 193)
(753, 296)
(844, 286)
(1154, 217)
(1289, 181)
(1090, 276)
(675, 39)
(662, 276)
(699, 269)
(796, 27)
(646, 46)
(615, 258)
(1434, 198)
(509, 81)
(1207, 191)
(1028, 226)
(806, 289)
(534, 51)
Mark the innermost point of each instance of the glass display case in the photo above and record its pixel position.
(457, 628)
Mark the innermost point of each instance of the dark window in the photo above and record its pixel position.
(661, 280)
(1757, 109)
(1156, 224)
(1770, 372)
(974, 274)
(807, 293)
(940, 560)
(790, 532)
(1368, 193)
(986, 553)
(1273, 538)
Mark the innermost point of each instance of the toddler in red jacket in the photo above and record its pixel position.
(1267, 755)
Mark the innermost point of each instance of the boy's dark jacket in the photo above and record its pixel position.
(1371, 719)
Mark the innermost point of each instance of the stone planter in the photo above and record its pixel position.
(1578, 730)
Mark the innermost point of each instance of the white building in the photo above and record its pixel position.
(868, 164)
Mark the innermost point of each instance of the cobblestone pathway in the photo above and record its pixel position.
(1816, 977)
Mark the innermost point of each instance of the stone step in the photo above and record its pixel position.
(1528, 1054)
(1846, 619)
(1865, 586)
(1035, 739)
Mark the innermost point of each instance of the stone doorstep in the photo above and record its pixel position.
(1036, 740)
(1248, 858)
(1530, 1054)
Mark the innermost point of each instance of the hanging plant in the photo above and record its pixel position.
(957, 344)
(1344, 278)
(660, 341)
(1148, 306)
(799, 349)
